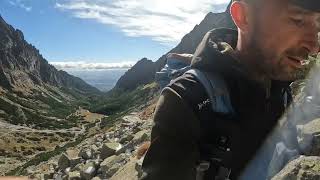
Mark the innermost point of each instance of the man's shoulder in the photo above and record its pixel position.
(186, 84)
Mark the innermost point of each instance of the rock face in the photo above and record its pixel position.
(302, 168)
(140, 73)
(23, 67)
(143, 72)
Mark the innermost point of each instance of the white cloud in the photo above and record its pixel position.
(166, 21)
(21, 4)
(82, 65)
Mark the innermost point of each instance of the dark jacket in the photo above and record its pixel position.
(174, 151)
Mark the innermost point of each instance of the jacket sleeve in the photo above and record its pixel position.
(173, 153)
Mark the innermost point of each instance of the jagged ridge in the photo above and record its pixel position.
(22, 66)
(188, 44)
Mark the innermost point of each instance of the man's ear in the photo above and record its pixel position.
(239, 11)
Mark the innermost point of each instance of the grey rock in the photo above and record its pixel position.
(128, 148)
(65, 177)
(136, 129)
(67, 170)
(126, 138)
(138, 166)
(48, 175)
(57, 176)
(74, 161)
(86, 154)
(88, 171)
(96, 178)
(109, 149)
(112, 170)
(303, 168)
(95, 149)
(140, 137)
(110, 165)
(309, 138)
(75, 175)
(78, 167)
(281, 156)
(63, 161)
(99, 139)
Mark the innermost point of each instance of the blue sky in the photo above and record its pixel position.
(105, 31)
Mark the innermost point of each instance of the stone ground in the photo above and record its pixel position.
(18, 144)
(108, 155)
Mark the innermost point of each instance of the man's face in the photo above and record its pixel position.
(281, 37)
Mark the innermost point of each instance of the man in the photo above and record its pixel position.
(275, 37)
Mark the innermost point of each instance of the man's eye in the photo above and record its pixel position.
(297, 22)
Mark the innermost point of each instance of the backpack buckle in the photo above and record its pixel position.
(223, 174)
(203, 166)
(201, 169)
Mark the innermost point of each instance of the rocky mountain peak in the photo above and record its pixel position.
(23, 67)
(188, 45)
(141, 73)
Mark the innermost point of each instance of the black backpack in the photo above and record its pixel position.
(212, 99)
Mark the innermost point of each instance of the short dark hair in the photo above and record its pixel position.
(248, 1)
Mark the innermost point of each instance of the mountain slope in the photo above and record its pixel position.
(39, 105)
(188, 44)
(22, 66)
(33, 92)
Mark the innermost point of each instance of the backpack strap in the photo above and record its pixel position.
(216, 90)
(209, 98)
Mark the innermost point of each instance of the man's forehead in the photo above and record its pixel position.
(295, 9)
(310, 5)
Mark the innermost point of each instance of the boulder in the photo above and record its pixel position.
(86, 154)
(138, 166)
(112, 170)
(303, 168)
(74, 161)
(136, 129)
(48, 175)
(126, 138)
(110, 165)
(109, 149)
(57, 176)
(281, 156)
(95, 149)
(126, 148)
(63, 161)
(96, 178)
(99, 139)
(75, 175)
(65, 177)
(127, 171)
(69, 159)
(88, 171)
(140, 137)
(78, 167)
(309, 138)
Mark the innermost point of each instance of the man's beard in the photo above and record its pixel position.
(272, 66)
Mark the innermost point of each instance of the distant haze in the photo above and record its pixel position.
(83, 65)
(103, 76)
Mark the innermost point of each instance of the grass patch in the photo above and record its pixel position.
(120, 101)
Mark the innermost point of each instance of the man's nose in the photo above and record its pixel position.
(311, 40)
(312, 46)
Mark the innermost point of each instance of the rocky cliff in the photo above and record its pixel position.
(140, 73)
(188, 44)
(22, 67)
